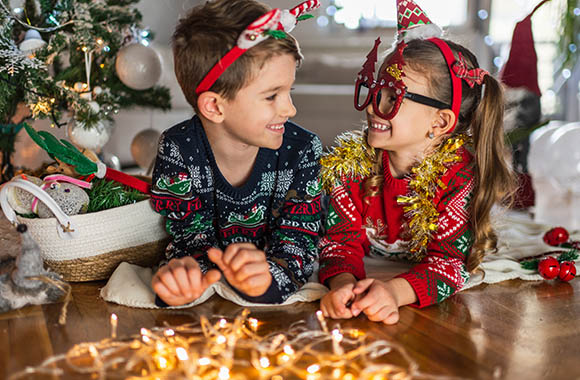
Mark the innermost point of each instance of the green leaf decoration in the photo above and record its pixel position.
(277, 34)
(571, 255)
(304, 17)
(62, 150)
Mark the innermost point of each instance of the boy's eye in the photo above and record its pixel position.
(271, 97)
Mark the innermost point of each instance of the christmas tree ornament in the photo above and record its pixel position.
(567, 271)
(556, 236)
(32, 41)
(93, 138)
(549, 268)
(138, 66)
(276, 23)
(144, 147)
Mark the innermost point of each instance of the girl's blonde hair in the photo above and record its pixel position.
(479, 117)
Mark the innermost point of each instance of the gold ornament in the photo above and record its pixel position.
(425, 181)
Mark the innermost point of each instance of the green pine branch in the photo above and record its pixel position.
(106, 194)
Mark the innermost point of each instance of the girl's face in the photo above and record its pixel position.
(407, 132)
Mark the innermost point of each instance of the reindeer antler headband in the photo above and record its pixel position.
(276, 23)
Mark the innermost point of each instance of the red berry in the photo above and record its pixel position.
(556, 236)
(567, 271)
(549, 268)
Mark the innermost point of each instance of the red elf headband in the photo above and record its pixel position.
(276, 23)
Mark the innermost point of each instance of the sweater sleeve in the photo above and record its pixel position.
(173, 194)
(292, 249)
(345, 243)
(442, 272)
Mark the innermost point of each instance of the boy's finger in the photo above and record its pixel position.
(232, 250)
(245, 257)
(251, 269)
(363, 285)
(209, 278)
(216, 256)
(194, 275)
(181, 277)
(161, 290)
(165, 276)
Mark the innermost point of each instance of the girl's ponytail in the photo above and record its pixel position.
(493, 172)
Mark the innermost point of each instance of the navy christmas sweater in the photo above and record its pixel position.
(277, 209)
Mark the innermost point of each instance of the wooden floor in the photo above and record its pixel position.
(511, 330)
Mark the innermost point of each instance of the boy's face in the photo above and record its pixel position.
(257, 114)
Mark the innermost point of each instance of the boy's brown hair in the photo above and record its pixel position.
(208, 32)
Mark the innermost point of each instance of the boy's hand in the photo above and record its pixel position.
(181, 281)
(380, 303)
(334, 304)
(244, 266)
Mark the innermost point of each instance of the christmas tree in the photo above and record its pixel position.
(72, 58)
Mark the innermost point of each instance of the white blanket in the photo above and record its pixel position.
(519, 237)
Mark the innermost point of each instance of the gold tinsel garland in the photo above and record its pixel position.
(352, 157)
(424, 183)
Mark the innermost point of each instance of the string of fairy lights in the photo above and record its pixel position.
(221, 349)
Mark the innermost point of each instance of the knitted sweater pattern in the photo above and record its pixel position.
(377, 226)
(277, 209)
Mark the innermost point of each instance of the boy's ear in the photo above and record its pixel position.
(443, 122)
(210, 106)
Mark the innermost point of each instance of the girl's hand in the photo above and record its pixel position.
(244, 266)
(334, 304)
(181, 281)
(380, 300)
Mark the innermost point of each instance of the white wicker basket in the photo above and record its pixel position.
(89, 247)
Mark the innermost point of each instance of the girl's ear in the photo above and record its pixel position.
(443, 122)
(210, 106)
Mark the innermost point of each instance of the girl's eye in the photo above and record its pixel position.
(271, 97)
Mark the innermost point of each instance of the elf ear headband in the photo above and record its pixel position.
(276, 23)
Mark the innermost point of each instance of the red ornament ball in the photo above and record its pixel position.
(556, 236)
(567, 271)
(549, 268)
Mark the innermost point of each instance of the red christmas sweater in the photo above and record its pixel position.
(377, 227)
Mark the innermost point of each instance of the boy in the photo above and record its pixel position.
(238, 182)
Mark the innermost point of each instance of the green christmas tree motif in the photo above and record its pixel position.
(332, 219)
(198, 225)
(254, 218)
(313, 188)
(179, 185)
(443, 291)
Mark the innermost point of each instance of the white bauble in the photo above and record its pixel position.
(539, 156)
(144, 147)
(565, 158)
(93, 138)
(138, 66)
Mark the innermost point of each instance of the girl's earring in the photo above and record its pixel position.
(431, 135)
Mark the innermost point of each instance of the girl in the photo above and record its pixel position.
(433, 165)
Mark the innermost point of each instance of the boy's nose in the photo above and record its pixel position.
(288, 110)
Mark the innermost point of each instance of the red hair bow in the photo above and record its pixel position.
(471, 76)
